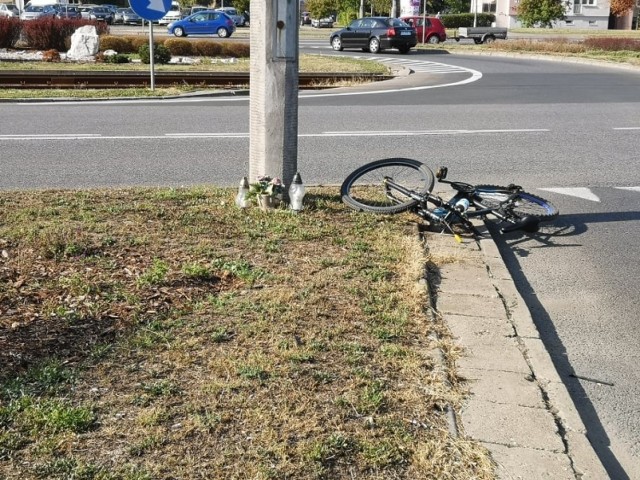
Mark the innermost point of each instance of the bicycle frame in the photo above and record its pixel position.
(447, 214)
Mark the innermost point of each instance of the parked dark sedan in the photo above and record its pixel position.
(101, 14)
(374, 34)
(67, 11)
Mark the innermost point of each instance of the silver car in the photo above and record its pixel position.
(35, 11)
(117, 16)
(238, 19)
(8, 10)
(129, 17)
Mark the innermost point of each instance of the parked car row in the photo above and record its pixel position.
(369, 33)
(90, 12)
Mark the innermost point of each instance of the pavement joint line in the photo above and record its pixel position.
(561, 428)
(573, 453)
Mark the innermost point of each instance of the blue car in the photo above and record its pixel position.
(206, 22)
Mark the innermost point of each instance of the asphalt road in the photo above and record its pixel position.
(545, 125)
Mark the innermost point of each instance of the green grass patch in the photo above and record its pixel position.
(136, 344)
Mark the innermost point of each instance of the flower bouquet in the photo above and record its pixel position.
(268, 192)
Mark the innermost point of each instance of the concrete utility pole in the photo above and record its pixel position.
(361, 12)
(273, 123)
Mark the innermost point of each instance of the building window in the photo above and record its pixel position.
(489, 7)
(579, 4)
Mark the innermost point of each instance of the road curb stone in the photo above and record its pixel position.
(518, 407)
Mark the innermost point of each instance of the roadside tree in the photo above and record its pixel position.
(321, 8)
(241, 5)
(620, 7)
(540, 12)
(450, 6)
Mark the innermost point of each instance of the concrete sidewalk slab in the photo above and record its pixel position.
(518, 407)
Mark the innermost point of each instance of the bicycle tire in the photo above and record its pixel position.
(365, 190)
(527, 205)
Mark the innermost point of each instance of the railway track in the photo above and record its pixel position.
(57, 79)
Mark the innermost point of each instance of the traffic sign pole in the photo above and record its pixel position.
(151, 59)
(151, 10)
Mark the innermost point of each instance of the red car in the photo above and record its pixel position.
(434, 31)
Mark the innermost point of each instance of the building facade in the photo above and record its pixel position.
(580, 14)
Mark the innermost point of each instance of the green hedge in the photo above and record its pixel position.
(177, 46)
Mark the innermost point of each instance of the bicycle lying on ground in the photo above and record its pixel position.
(394, 185)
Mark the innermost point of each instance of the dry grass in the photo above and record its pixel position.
(307, 64)
(163, 333)
(617, 49)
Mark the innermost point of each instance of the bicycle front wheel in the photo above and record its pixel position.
(367, 189)
(524, 205)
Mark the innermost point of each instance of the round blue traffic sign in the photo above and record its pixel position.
(150, 9)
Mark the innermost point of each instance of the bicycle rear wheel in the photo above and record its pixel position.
(365, 189)
(525, 205)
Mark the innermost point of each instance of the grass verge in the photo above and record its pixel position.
(164, 333)
(623, 49)
(308, 63)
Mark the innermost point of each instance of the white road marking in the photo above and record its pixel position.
(424, 132)
(583, 193)
(633, 189)
(627, 128)
(418, 66)
(231, 135)
(48, 136)
(207, 135)
(421, 66)
(425, 67)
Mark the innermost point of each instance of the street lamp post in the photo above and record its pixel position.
(424, 20)
(475, 13)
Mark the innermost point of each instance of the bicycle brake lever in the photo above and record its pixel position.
(441, 173)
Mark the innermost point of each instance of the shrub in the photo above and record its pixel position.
(457, 20)
(117, 58)
(137, 42)
(54, 33)
(161, 54)
(612, 44)
(238, 50)
(119, 44)
(179, 46)
(9, 31)
(206, 48)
